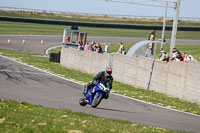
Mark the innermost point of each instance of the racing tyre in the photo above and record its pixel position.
(97, 100)
(82, 101)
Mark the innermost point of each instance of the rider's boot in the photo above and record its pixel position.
(88, 86)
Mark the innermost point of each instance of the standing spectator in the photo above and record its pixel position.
(67, 38)
(121, 48)
(87, 46)
(106, 48)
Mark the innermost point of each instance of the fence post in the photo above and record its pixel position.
(111, 60)
(151, 72)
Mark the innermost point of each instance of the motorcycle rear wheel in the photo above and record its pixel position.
(97, 100)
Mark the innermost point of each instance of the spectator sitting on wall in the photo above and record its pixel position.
(106, 48)
(92, 46)
(162, 54)
(95, 47)
(179, 57)
(80, 46)
(148, 54)
(87, 46)
(121, 49)
(174, 54)
(98, 48)
(187, 57)
(166, 58)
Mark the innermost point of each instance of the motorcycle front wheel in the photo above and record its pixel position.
(97, 100)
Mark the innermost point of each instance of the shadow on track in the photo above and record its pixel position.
(115, 110)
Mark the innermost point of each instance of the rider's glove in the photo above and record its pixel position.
(95, 82)
(107, 93)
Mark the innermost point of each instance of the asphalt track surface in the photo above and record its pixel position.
(33, 42)
(24, 83)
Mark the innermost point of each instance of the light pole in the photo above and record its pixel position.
(175, 26)
(164, 24)
(168, 5)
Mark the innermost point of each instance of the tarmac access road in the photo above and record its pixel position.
(33, 42)
(24, 83)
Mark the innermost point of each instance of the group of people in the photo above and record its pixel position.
(96, 47)
(176, 56)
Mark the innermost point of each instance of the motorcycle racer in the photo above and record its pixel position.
(105, 77)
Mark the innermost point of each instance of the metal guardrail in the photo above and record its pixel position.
(96, 25)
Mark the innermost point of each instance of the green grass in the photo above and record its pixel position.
(17, 28)
(55, 50)
(22, 117)
(148, 96)
(30, 29)
(96, 19)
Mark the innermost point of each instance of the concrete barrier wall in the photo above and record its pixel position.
(132, 70)
(177, 79)
(85, 61)
(192, 82)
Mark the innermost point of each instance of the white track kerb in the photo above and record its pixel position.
(47, 51)
(81, 83)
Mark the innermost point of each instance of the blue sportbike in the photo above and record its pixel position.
(94, 95)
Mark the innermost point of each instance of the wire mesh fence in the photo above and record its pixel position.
(64, 15)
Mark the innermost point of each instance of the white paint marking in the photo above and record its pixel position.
(47, 51)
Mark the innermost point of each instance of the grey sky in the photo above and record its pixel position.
(189, 8)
